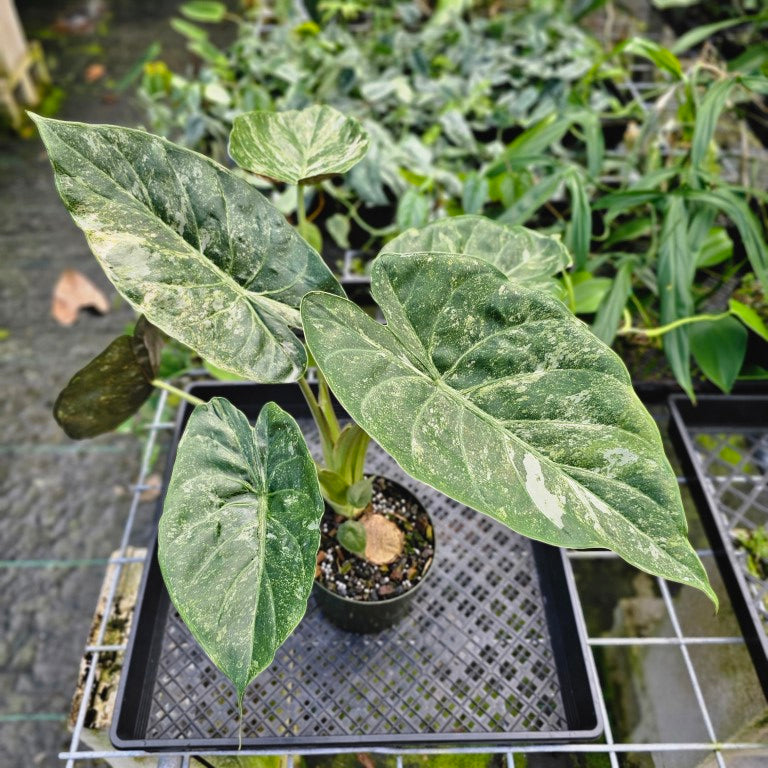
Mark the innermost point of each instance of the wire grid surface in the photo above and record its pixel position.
(615, 750)
(736, 468)
(447, 667)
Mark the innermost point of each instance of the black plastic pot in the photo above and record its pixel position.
(367, 616)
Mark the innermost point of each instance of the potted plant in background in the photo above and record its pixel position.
(483, 387)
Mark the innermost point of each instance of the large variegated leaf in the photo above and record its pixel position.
(496, 395)
(298, 146)
(196, 249)
(239, 534)
(113, 386)
(519, 253)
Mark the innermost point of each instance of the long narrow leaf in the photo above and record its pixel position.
(579, 232)
(675, 275)
(609, 312)
(707, 116)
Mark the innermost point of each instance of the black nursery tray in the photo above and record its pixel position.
(490, 654)
(724, 443)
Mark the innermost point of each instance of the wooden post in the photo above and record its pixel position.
(18, 59)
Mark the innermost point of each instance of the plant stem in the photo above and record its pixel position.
(662, 329)
(301, 211)
(568, 283)
(326, 440)
(160, 384)
(326, 406)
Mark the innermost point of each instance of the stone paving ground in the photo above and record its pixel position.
(63, 503)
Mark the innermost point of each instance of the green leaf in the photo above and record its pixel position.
(190, 245)
(338, 227)
(474, 195)
(589, 293)
(579, 231)
(299, 146)
(749, 227)
(359, 494)
(749, 317)
(311, 233)
(707, 116)
(663, 58)
(508, 404)
(349, 452)
(533, 198)
(112, 387)
(204, 10)
(519, 253)
(190, 31)
(207, 51)
(412, 210)
(676, 269)
(718, 347)
(612, 305)
(351, 536)
(334, 487)
(716, 248)
(699, 34)
(532, 143)
(239, 534)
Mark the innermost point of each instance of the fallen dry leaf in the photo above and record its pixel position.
(94, 72)
(74, 291)
(383, 539)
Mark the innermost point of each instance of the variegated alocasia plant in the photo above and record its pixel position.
(479, 383)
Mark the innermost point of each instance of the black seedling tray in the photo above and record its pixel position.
(723, 442)
(490, 654)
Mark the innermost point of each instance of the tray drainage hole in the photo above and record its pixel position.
(523, 578)
(480, 594)
(507, 670)
(511, 592)
(475, 671)
(488, 654)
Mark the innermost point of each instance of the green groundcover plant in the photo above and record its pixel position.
(479, 384)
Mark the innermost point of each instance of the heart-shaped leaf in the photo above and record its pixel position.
(298, 146)
(719, 347)
(496, 395)
(351, 536)
(193, 247)
(519, 253)
(112, 387)
(238, 539)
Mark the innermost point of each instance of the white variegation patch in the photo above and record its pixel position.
(548, 503)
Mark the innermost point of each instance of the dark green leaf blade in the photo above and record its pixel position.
(109, 390)
(239, 534)
(193, 247)
(718, 347)
(501, 386)
(297, 146)
(520, 253)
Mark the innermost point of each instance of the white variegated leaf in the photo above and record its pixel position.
(239, 534)
(297, 146)
(520, 253)
(496, 395)
(197, 250)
